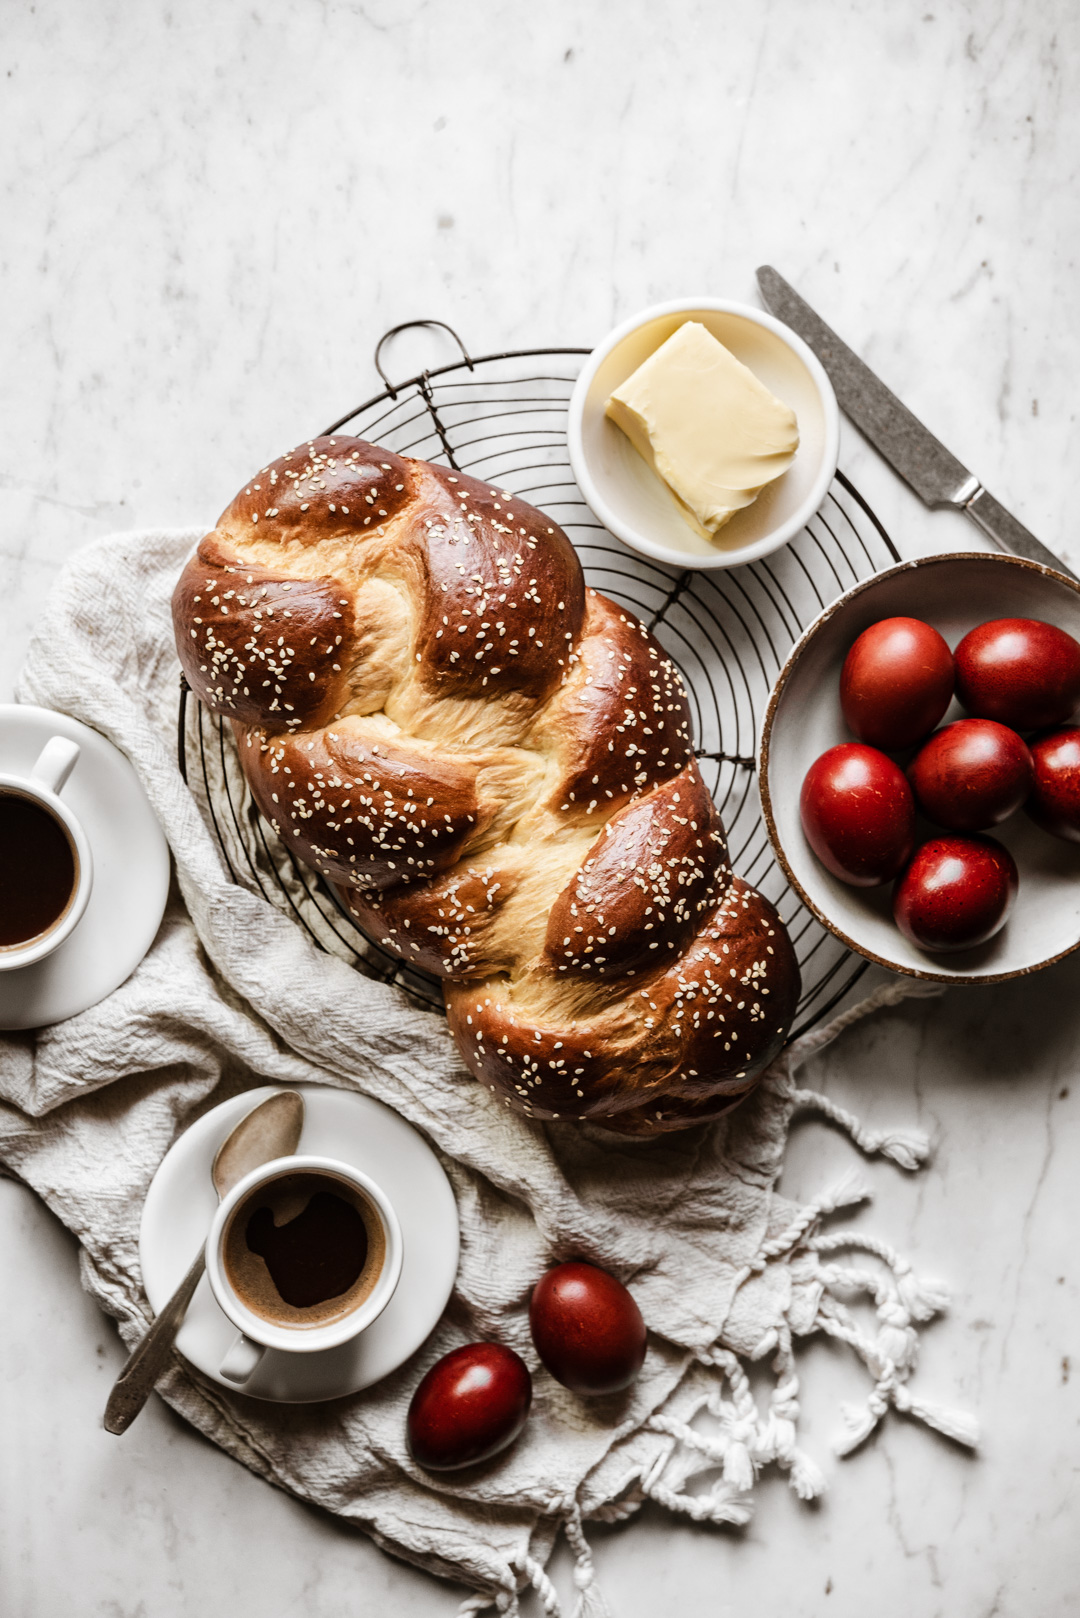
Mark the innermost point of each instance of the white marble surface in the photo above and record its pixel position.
(210, 215)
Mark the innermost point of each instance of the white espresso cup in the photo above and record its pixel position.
(257, 1332)
(43, 787)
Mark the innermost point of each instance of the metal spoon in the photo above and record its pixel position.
(272, 1129)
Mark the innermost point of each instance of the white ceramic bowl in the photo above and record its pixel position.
(628, 497)
(803, 719)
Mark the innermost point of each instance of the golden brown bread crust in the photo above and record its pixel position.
(494, 766)
(658, 866)
(680, 1045)
(251, 632)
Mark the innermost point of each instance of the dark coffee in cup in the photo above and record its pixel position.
(304, 1249)
(39, 869)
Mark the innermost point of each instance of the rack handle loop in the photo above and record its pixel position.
(407, 325)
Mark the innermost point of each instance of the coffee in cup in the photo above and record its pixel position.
(46, 867)
(303, 1255)
(304, 1249)
(39, 869)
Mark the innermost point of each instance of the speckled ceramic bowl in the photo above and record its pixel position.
(803, 719)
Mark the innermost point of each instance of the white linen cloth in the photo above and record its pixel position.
(234, 994)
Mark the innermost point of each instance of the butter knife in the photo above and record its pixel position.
(937, 477)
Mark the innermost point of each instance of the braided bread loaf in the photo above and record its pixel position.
(493, 765)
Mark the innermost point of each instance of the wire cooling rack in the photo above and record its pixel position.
(502, 418)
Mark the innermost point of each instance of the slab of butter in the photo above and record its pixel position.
(705, 425)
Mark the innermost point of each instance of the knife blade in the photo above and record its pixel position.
(935, 474)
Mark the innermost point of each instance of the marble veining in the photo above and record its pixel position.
(210, 216)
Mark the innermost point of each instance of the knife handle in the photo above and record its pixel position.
(1002, 527)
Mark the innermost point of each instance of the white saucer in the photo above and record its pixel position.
(131, 873)
(180, 1205)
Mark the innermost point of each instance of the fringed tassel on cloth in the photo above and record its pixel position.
(891, 1355)
(544, 1588)
(743, 1438)
(590, 1601)
(909, 1148)
(849, 1190)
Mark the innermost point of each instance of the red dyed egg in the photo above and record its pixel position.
(956, 892)
(1055, 797)
(858, 814)
(587, 1329)
(1019, 671)
(471, 1404)
(971, 775)
(896, 683)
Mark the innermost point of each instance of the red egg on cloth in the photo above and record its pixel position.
(957, 892)
(858, 814)
(1055, 796)
(1019, 671)
(897, 682)
(971, 775)
(587, 1329)
(470, 1405)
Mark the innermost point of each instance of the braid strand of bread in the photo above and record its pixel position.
(493, 765)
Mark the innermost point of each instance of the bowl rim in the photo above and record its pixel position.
(630, 536)
(828, 612)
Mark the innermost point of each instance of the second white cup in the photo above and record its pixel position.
(257, 1332)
